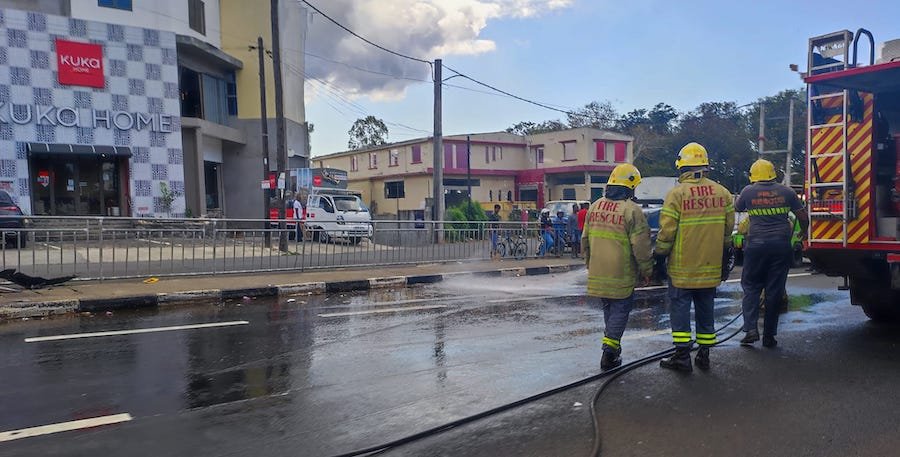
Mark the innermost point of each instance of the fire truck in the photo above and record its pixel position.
(852, 186)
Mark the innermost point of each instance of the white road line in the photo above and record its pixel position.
(792, 275)
(64, 427)
(163, 243)
(382, 311)
(72, 336)
(52, 246)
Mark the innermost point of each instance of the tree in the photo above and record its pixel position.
(367, 132)
(531, 128)
(599, 115)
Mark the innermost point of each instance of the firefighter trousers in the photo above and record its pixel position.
(615, 318)
(766, 266)
(680, 315)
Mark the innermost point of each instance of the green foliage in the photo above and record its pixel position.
(367, 132)
(461, 216)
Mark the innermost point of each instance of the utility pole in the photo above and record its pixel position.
(264, 128)
(762, 129)
(438, 154)
(281, 149)
(790, 144)
(469, 166)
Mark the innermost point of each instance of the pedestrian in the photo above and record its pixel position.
(546, 232)
(696, 222)
(617, 252)
(767, 248)
(299, 217)
(574, 232)
(494, 219)
(559, 231)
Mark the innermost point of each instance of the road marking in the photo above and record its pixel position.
(72, 336)
(52, 246)
(792, 275)
(163, 243)
(64, 427)
(382, 311)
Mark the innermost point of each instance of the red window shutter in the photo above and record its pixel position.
(417, 154)
(600, 151)
(620, 152)
(462, 160)
(448, 156)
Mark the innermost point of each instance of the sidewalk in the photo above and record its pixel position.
(98, 296)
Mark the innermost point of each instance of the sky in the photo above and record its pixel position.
(567, 53)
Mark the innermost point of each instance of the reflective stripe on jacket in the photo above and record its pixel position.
(695, 222)
(616, 246)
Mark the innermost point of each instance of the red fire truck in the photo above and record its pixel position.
(853, 191)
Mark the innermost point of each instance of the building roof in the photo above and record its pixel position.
(525, 140)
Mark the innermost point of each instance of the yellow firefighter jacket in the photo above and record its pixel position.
(616, 246)
(695, 225)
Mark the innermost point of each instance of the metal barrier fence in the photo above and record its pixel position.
(112, 248)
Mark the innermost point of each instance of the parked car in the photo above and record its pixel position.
(563, 205)
(12, 220)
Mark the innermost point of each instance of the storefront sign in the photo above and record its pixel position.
(43, 178)
(80, 64)
(86, 118)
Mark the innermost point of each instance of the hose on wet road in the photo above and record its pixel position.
(610, 375)
(595, 450)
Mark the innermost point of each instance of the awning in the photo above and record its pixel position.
(78, 149)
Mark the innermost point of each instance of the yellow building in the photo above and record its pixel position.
(397, 178)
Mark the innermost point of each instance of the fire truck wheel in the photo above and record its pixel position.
(877, 300)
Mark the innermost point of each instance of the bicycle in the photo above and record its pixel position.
(514, 247)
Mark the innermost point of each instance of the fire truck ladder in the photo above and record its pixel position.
(822, 51)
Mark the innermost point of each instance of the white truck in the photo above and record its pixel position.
(331, 211)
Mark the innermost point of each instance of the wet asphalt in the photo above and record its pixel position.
(322, 375)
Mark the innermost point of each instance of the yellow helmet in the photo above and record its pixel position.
(692, 155)
(762, 170)
(626, 175)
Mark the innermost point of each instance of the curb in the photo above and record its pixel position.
(194, 297)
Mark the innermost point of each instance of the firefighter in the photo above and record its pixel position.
(695, 222)
(616, 246)
(767, 249)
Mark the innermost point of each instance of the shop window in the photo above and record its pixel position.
(196, 16)
(416, 154)
(569, 151)
(596, 193)
(211, 179)
(599, 179)
(394, 189)
(569, 194)
(117, 4)
(528, 195)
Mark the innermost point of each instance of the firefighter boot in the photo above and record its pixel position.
(679, 361)
(611, 358)
(702, 358)
(751, 337)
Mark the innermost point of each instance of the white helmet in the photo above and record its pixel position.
(545, 211)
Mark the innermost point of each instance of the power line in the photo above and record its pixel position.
(390, 51)
(366, 70)
(496, 94)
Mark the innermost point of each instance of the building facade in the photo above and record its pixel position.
(396, 179)
(89, 117)
(214, 87)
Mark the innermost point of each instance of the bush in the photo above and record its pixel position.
(462, 214)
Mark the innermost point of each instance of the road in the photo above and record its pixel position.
(327, 374)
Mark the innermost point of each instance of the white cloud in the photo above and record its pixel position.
(426, 29)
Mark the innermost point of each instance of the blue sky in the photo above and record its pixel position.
(635, 54)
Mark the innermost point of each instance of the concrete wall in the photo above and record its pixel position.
(57, 7)
(169, 15)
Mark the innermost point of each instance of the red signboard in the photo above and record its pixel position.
(80, 64)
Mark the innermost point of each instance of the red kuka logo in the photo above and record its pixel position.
(80, 64)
